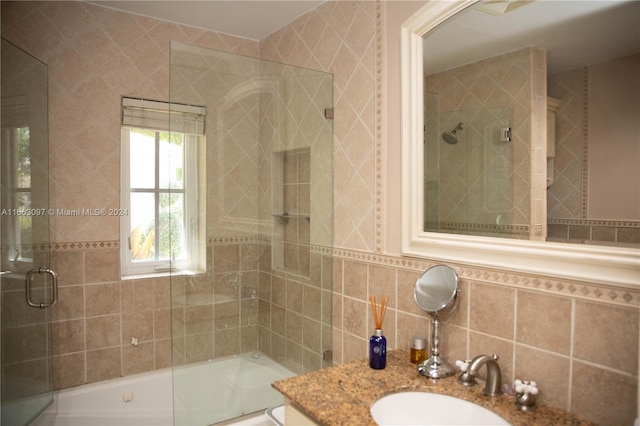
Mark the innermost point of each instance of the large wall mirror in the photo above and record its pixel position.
(521, 139)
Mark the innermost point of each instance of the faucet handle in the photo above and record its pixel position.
(526, 392)
(525, 387)
(465, 377)
(463, 365)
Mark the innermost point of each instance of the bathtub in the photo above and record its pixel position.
(226, 388)
(205, 393)
(104, 403)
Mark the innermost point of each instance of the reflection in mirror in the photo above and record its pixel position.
(436, 292)
(593, 263)
(531, 122)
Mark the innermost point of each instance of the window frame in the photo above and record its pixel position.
(192, 262)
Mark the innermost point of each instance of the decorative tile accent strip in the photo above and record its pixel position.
(239, 239)
(585, 141)
(596, 292)
(321, 250)
(84, 245)
(26, 248)
(324, 250)
(613, 223)
(480, 228)
(379, 221)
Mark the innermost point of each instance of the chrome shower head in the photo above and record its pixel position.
(450, 137)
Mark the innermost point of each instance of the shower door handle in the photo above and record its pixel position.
(54, 287)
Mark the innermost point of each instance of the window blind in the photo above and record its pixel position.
(163, 116)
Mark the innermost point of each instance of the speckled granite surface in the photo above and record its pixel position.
(341, 395)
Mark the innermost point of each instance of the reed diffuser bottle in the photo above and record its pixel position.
(377, 342)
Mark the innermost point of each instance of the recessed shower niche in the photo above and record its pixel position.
(291, 182)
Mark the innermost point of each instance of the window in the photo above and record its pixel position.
(159, 203)
(18, 209)
(16, 205)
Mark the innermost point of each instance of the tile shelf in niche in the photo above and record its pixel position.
(284, 217)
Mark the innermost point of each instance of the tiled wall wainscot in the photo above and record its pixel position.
(558, 333)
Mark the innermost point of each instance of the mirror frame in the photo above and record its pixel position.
(595, 264)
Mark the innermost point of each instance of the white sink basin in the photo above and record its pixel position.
(422, 408)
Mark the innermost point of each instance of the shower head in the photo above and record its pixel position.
(450, 137)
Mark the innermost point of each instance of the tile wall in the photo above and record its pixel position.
(566, 194)
(98, 314)
(243, 305)
(570, 218)
(485, 96)
(293, 227)
(96, 55)
(556, 332)
(110, 54)
(542, 327)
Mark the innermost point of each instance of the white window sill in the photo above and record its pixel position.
(161, 274)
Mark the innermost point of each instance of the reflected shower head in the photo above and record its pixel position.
(450, 137)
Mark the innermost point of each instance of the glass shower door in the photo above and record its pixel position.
(258, 309)
(27, 285)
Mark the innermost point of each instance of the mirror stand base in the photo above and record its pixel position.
(436, 368)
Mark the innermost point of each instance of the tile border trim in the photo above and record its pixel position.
(616, 295)
(379, 152)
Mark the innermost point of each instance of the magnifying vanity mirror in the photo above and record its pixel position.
(436, 293)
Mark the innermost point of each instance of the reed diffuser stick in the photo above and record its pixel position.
(378, 309)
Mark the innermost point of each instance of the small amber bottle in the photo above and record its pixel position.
(418, 349)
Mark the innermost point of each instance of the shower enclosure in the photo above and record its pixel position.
(27, 284)
(471, 173)
(258, 308)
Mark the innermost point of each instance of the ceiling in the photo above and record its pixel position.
(574, 32)
(252, 19)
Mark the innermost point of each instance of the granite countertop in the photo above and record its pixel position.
(342, 395)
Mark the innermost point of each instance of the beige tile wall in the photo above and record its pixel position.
(296, 201)
(216, 314)
(96, 55)
(562, 348)
(569, 196)
(339, 37)
(565, 196)
(536, 323)
(241, 306)
(98, 314)
(475, 93)
(578, 343)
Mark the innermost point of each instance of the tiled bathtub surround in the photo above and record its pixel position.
(241, 306)
(244, 306)
(98, 314)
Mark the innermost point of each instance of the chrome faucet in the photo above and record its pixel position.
(493, 385)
